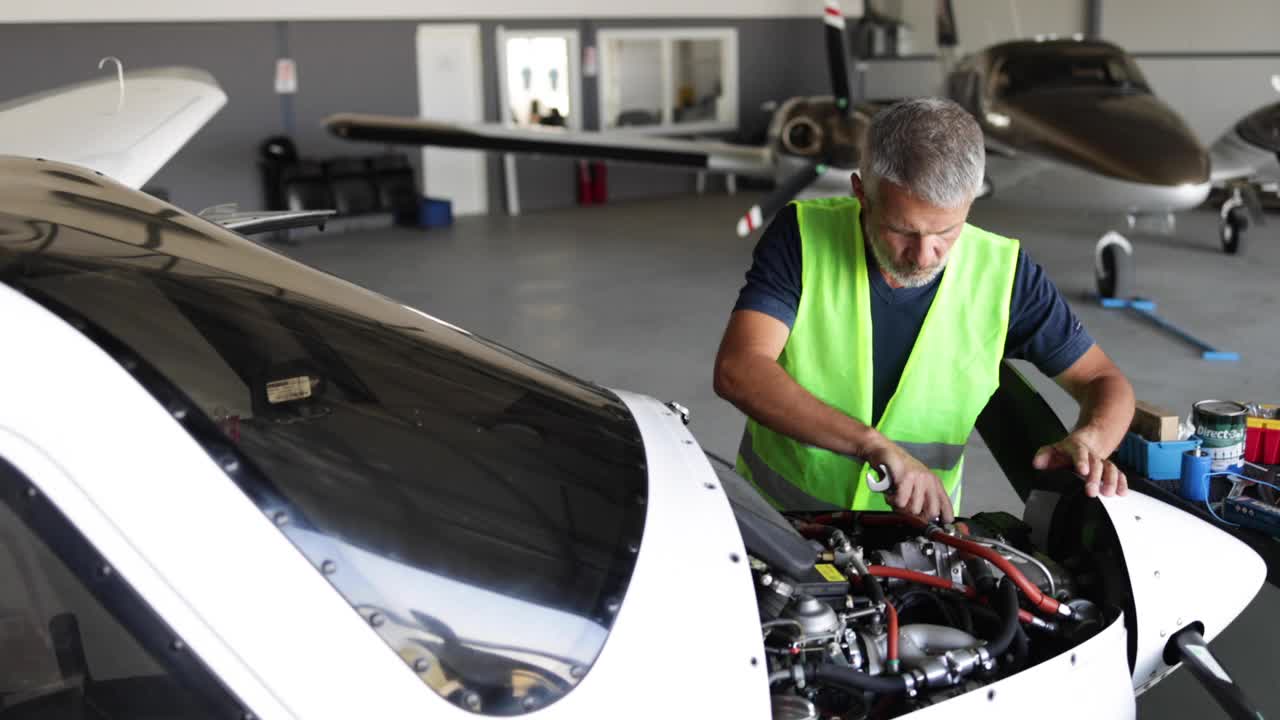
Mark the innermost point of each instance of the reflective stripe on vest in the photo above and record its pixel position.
(949, 375)
(778, 490)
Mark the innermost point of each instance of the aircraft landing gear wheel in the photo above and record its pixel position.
(1231, 231)
(1114, 269)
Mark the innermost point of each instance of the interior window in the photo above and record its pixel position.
(538, 81)
(77, 642)
(669, 79)
(633, 87)
(699, 80)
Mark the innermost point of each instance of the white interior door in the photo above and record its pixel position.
(451, 89)
(536, 52)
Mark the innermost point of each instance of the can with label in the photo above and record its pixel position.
(1221, 427)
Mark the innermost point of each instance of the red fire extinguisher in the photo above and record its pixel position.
(584, 183)
(593, 183)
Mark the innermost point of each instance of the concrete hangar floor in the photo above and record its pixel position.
(635, 295)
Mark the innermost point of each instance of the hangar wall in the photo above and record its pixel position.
(357, 66)
(1212, 62)
(1239, 26)
(985, 22)
(370, 66)
(167, 10)
(1191, 56)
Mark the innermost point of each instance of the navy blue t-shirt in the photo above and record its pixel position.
(1042, 327)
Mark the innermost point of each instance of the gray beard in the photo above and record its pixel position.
(911, 277)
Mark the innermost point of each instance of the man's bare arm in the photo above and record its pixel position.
(1106, 410)
(1105, 396)
(748, 375)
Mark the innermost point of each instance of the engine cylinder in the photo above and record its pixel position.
(816, 617)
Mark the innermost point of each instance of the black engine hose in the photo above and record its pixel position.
(966, 617)
(1007, 599)
(980, 570)
(851, 679)
(984, 614)
(1021, 649)
(914, 598)
(870, 584)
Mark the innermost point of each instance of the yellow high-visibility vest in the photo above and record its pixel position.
(952, 370)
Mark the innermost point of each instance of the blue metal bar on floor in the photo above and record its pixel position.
(1146, 309)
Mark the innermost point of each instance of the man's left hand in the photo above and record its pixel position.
(1101, 476)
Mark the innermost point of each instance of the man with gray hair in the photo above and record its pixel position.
(871, 331)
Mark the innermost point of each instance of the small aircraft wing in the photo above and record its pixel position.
(126, 131)
(261, 221)
(696, 155)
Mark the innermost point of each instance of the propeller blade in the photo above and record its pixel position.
(837, 54)
(1190, 647)
(779, 198)
(696, 155)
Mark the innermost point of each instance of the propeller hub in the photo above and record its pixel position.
(802, 136)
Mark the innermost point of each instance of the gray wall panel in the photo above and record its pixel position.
(903, 78)
(546, 182)
(370, 66)
(361, 66)
(1236, 26)
(1212, 93)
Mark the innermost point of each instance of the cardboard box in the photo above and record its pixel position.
(1154, 423)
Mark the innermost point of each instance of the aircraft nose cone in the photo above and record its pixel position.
(1170, 594)
(1132, 137)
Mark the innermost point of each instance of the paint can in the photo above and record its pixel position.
(1221, 427)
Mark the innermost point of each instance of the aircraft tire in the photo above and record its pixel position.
(1115, 276)
(1231, 230)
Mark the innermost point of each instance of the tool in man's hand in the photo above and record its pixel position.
(883, 484)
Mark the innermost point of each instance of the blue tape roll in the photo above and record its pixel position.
(1194, 480)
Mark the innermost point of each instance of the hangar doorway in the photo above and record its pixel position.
(451, 89)
(539, 83)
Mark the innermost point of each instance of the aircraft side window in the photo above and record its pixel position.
(1000, 81)
(450, 495)
(77, 641)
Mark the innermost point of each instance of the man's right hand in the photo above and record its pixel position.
(916, 490)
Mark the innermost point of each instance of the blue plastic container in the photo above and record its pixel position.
(1154, 460)
(1194, 483)
(434, 212)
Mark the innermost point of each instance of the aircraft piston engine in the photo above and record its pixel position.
(892, 618)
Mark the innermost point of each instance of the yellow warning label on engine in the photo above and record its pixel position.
(280, 391)
(829, 572)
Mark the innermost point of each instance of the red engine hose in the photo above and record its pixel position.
(891, 615)
(920, 579)
(882, 519)
(830, 518)
(1034, 595)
